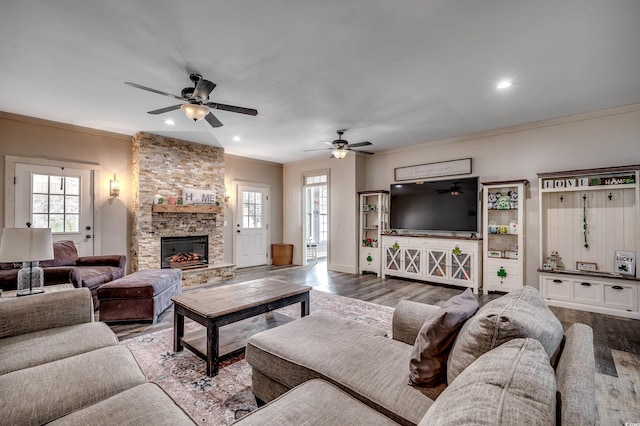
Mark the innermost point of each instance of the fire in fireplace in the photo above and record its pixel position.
(184, 252)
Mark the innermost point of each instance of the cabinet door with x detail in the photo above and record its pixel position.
(392, 259)
(412, 260)
(461, 266)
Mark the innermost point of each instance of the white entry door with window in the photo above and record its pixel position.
(57, 198)
(252, 242)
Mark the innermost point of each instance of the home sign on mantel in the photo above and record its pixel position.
(199, 197)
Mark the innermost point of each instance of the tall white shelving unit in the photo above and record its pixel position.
(374, 220)
(503, 235)
(586, 217)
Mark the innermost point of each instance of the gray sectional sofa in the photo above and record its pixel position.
(511, 363)
(58, 366)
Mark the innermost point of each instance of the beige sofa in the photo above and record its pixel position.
(58, 366)
(511, 363)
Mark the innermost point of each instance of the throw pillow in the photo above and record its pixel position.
(431, 348)
(521, 313)
(513, 384)
(64, 254)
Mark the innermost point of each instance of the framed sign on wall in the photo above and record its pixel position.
(441, 168)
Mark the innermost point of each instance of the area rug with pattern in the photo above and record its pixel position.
(222, 399)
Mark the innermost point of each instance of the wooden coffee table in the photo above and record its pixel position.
(221, 306)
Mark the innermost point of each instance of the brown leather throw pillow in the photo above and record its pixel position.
(430, 351)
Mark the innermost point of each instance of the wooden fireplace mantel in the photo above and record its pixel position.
(174, 208)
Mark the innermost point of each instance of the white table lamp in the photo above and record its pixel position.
(29, 246)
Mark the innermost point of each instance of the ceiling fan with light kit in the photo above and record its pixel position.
(197, 104)
(340, 147)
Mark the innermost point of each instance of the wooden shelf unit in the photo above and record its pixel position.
(507, 271)
(374, 220)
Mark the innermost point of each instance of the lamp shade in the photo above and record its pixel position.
(26, 244)
(194, 111)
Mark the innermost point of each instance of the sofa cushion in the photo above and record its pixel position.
(94, 276)
(313, 403)
(521, 313)
(28, 350)
(145, 404)
(49, 391)
(357, 358)
(513, 384)
(22, 315)
(575, 376)
(64, 254)
(428, 363)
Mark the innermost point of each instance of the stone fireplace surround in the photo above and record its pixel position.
(165, 166)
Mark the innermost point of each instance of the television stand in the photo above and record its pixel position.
(439, 259)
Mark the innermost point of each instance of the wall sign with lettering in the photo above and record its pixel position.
(442, 168)
(200, 197)
(623, 179)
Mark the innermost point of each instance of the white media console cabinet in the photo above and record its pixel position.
(447, 260)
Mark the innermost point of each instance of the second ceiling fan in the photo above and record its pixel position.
(197, 104)
(341, 146)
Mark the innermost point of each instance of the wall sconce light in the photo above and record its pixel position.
(114, 188)
(227, 197)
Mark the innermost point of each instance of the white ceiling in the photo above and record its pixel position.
(395, 73)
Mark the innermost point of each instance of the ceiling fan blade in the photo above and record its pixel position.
(212, 120)
(241, 110)
(317, 149)
(152, 90)
(355, 145)
(163, 110)
(203, 88)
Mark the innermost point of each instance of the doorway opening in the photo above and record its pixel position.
(316, 217)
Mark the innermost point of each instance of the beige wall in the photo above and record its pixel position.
(343, 213)
(601, 139)
(245, 170)
(30, 137)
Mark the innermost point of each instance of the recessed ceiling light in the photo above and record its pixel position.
(236, 138)
(503, 84)
(169, 122)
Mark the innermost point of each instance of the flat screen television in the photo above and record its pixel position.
(449, 205)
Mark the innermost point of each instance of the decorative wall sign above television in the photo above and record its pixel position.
(438, 169)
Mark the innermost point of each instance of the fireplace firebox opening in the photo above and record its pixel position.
(184, 252)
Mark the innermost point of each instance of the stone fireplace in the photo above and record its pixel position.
(165, 166)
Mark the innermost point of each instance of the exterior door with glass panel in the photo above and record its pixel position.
(57, 198)
(251, 226)
(316, 212)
